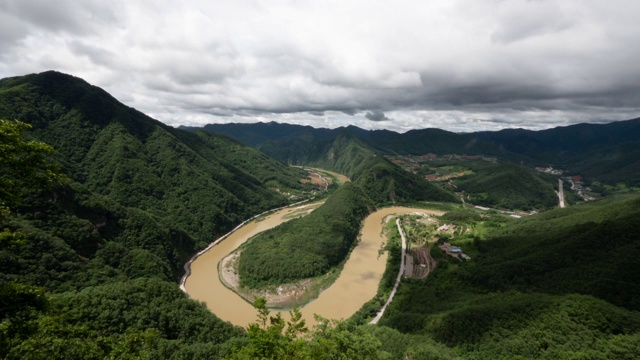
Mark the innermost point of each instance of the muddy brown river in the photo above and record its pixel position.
(356, 285)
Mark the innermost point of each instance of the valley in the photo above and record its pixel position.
(107, 219)
(355, 282)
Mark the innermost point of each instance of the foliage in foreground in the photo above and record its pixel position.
(271, 337)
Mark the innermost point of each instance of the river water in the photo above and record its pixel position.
(357, 283)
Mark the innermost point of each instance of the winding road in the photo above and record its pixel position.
(398, 279)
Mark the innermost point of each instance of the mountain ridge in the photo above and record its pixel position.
(566, 146)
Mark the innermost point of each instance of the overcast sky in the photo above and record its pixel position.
(456, 65)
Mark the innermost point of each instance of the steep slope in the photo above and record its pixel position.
(553, 285)
(604, 152)
(587, 249)
(383, 181)
(188, 180)
(619, 163)
(59, 238)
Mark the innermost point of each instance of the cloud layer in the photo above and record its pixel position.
(456, 65)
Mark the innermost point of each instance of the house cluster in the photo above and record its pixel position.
(576, 185)
(454, 251)
(549, 170)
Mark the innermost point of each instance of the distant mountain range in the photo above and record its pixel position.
(607, 152)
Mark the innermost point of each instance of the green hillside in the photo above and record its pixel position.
(616, 164)
(387, 183)
(508, 186)
(603, 152)
(195, 182)
(384, 182)
(89, 266)
(311, 246)
(83, 277)
(559, 284)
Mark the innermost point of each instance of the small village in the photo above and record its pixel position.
(424, 232)
(586, 193)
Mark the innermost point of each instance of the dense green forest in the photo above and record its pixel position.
(559, 284)
(192, 181)
(508, 186)
(308, 246)
(386, 183)
(137, 199)
(602, 152)
(95, 229)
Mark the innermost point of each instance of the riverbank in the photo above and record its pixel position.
(187, 265)
(283, 296)
(356, 283)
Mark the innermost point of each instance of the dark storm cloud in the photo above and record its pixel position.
(476, 65)
(376, 115)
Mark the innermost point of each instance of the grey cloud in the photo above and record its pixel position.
(98, 55)
(12, 30)
(79, 17)
(492, 64)
(376, 115)
(536, 18)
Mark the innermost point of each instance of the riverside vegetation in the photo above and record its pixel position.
(90, 260)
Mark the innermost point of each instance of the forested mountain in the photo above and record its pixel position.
(260, 133)
(383, 181)
(311, 246)
(564, 143)
(202, 183)
(605, 152)
(299, 144)
(138, 199)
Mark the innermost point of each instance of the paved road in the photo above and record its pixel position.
(561, 194)
(395, 287)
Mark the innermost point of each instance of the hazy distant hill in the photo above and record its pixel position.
(259, 133)
(284, 141)
(561, 144)
(606, 152)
